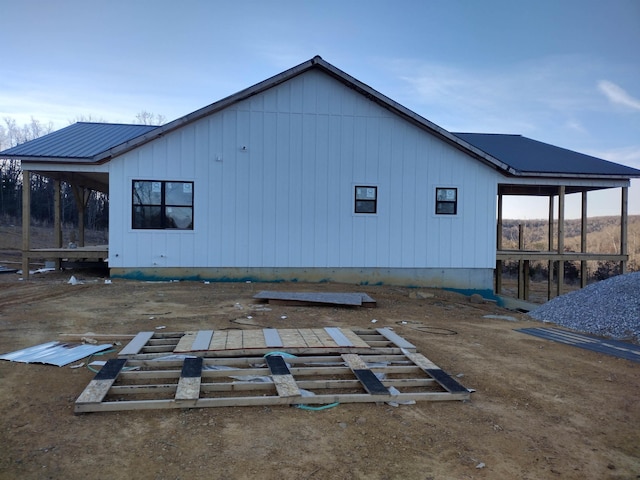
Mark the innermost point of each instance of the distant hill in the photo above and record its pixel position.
(603, 236)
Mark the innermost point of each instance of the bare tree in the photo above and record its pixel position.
(149, 118)
(87, 118)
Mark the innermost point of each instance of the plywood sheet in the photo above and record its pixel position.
(356, 299)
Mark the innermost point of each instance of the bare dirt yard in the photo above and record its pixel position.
(541, 410)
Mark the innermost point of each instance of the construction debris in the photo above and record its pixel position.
(316, 298)
(54, 353)
(195, 370)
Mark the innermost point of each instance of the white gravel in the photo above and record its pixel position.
(609, 308)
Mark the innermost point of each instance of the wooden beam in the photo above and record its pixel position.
(57, 219)
(550, 242)
(81, 194)
(515, 255)
(521, 281)
(624, 228)
(561, 192)
(499, 244)
(135, 346)
(26, 221)
(102, 382)
(396, 339)
(583, 240)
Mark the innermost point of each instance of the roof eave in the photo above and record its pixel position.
(62, 160)
(411, 116)
(206, 111)
(598, 176)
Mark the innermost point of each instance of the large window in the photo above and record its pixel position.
(162, 205)
(366, 200)
(446, 201)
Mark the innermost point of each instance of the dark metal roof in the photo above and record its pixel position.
(512, 155)
(80, 141)
(531, 157)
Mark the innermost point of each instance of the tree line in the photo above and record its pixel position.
(42, 188)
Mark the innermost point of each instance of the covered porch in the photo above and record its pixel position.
(76, 249)
(556, 253)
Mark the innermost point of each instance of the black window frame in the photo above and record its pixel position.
(443, 207)
(365, 206)
(163, 221)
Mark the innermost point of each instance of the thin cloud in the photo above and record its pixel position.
(618, 95)
(520, 98)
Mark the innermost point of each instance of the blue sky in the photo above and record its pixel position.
(566, 72)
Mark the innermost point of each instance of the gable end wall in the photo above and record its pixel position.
(285, 202)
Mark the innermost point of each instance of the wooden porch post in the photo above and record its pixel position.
(57, 219)
(81, 195)
(624, 228)
(559, 286)
(521, 288)
(551, 263)
(26, 221)
(583, 240)
(499, 245)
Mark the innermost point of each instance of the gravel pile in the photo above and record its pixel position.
(609, 308)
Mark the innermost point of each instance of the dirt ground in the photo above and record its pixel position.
(540, 409)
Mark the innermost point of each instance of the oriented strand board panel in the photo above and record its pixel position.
(317, 298)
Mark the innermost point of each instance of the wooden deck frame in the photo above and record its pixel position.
(144, 384)
(57, 253)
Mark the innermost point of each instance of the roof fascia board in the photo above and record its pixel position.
(576, 176)
(29, 158)
(66, 167)
(206, 111)
(76, 178)
(573, 181)
(411, 116)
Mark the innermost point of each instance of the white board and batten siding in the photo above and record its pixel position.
(274, 179)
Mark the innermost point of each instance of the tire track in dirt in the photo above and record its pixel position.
(30, 293)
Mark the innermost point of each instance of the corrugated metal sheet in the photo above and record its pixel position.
(81, 140)
(531, 156)
(54, 353)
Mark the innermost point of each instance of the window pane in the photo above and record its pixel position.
(365, 206)
(446, 208)
(147, 193)
(366, 193)
(179, 217)
(179, 193)
(446, 194)
(147, 217)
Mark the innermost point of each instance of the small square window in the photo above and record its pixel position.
(446, 201)
(366, 200)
